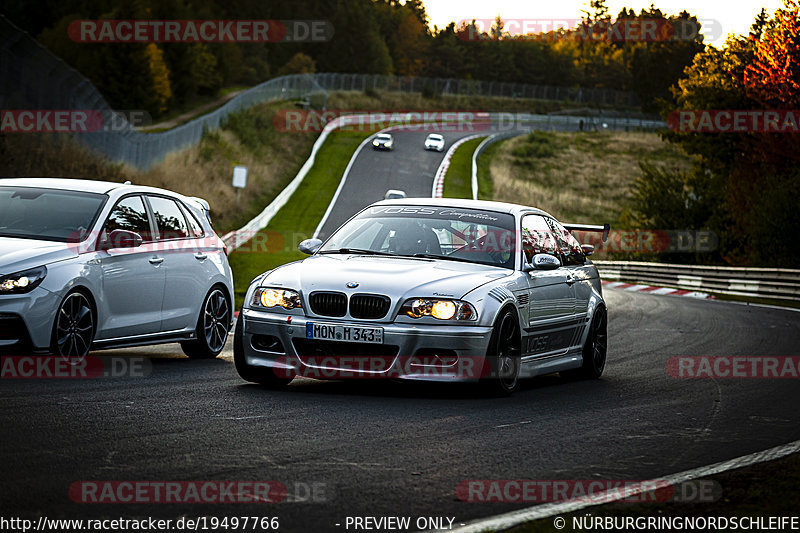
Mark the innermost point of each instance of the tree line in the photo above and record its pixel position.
(370, 36)
(745, 185)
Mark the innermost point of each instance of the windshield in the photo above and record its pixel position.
(469, 235)
(48, 214)
(383, 137)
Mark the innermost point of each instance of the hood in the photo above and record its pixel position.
(22, 254)
(396, 277)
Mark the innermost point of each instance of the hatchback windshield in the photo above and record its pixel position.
(48, 214)
(469, 235)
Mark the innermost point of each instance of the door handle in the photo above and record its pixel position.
(200, 256)
(571, 279)
(156, 260)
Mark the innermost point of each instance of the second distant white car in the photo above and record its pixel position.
(434, 141)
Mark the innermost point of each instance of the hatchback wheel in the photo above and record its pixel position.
(212, 327)
(73, 331)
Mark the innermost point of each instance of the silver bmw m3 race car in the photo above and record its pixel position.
(430, 289)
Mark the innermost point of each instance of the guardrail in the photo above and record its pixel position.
(32, 77)
(775, 283)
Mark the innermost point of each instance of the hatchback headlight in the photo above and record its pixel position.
(269, 297)
(441, 309)
(22, 282)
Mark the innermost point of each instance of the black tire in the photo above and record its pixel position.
(503, 357)
(74, 326)
(594, 350)
(262, 376)
(212, 326)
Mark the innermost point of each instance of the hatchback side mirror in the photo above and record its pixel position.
(120, 238)
(588, 249)
(309, 246)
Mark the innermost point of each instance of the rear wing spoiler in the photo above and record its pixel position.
(605, 228)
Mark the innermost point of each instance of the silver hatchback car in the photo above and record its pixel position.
(93, 264)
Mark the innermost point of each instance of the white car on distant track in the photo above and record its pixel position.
(434, 141)
(383, 141)
(394, 194)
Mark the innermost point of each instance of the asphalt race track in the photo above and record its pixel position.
(397, 449)
(409, 167)
(391, 449)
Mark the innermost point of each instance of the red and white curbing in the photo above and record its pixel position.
(656, 290)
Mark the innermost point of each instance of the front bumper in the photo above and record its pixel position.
(26, 320)
(414, 352)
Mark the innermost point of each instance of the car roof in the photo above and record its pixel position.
(486, 205)
(82, 185)
(384, 135)
(436, 135)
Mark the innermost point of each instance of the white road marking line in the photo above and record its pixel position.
(537, 512)
(514, 424)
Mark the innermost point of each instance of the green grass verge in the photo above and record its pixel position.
(485, 184)
(277, 243)
(458, 179)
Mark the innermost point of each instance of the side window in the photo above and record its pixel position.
(570, 247)
(537, 237)
(130, 215)
(169, 218)
(195, 229)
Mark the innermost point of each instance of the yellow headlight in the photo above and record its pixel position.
(271, 297)
(443, 309)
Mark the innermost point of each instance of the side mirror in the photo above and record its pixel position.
(588, 249)
(120, 238)
(545, 262)
(309, 246)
